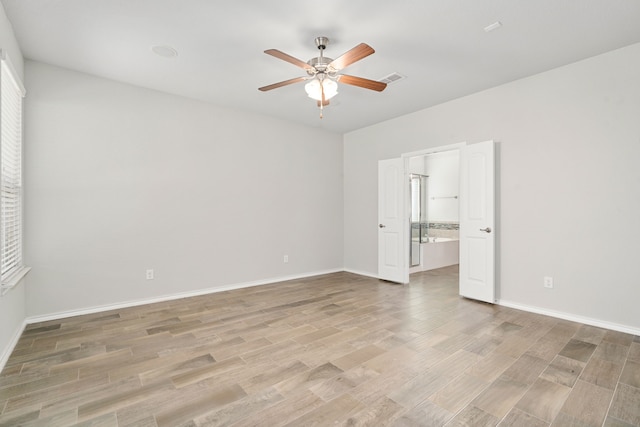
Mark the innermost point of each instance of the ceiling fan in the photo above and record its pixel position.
(323, 73)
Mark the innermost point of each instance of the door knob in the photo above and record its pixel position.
(381, 225)
(486, 230)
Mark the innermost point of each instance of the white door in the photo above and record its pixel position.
(477, 221)
(393, 264)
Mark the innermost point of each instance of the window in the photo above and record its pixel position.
(12, 268)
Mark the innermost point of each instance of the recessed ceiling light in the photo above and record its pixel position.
(493, 26)
(165, 51)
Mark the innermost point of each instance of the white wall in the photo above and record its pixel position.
(121, 179)
(9, 44)
(444, 184)
(12, 304)
(416, 165)
(569, 183)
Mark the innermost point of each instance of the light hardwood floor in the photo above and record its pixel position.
(338, 349)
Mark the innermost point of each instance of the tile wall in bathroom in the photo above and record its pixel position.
(448, 229)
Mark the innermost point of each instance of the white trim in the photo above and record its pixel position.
(361, 273)
(440, 149)
(572, 317)
(4, 357)
(13, 280)
(134, 303)
(4, 57)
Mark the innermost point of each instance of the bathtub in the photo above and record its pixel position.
(438, 252)
(441, 239)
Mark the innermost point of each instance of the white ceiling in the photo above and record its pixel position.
(440, 46)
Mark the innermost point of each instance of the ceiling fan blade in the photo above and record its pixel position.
(324, 104)
(280, 84)
(362, 82)
(356, 54)
(295, 61)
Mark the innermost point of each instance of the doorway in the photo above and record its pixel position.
(476, 218)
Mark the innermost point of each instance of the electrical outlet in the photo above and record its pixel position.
(286, 259)
(150, 274)
(548, 282)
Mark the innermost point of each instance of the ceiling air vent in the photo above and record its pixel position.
(392, 78)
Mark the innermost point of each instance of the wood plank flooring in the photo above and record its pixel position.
(338, 349)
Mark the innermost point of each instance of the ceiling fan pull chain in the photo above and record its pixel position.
(322, 93)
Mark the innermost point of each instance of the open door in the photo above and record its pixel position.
(477, 221)
(392, 233)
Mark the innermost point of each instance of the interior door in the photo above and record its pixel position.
(477, 221)
(393, 264)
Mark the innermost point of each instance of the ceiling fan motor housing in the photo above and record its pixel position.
(321, 63)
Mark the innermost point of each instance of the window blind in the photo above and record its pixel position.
(11, 94)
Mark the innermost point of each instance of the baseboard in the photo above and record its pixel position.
(572, 317)
(361, 273)
(96, 309)
(134, 303)
(4, 357)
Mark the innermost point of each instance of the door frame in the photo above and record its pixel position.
(404, 207)
(406, 202)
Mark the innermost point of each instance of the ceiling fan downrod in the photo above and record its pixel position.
(321, 67)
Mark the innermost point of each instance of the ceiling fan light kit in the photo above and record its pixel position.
(316, 88)
(323, 72)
